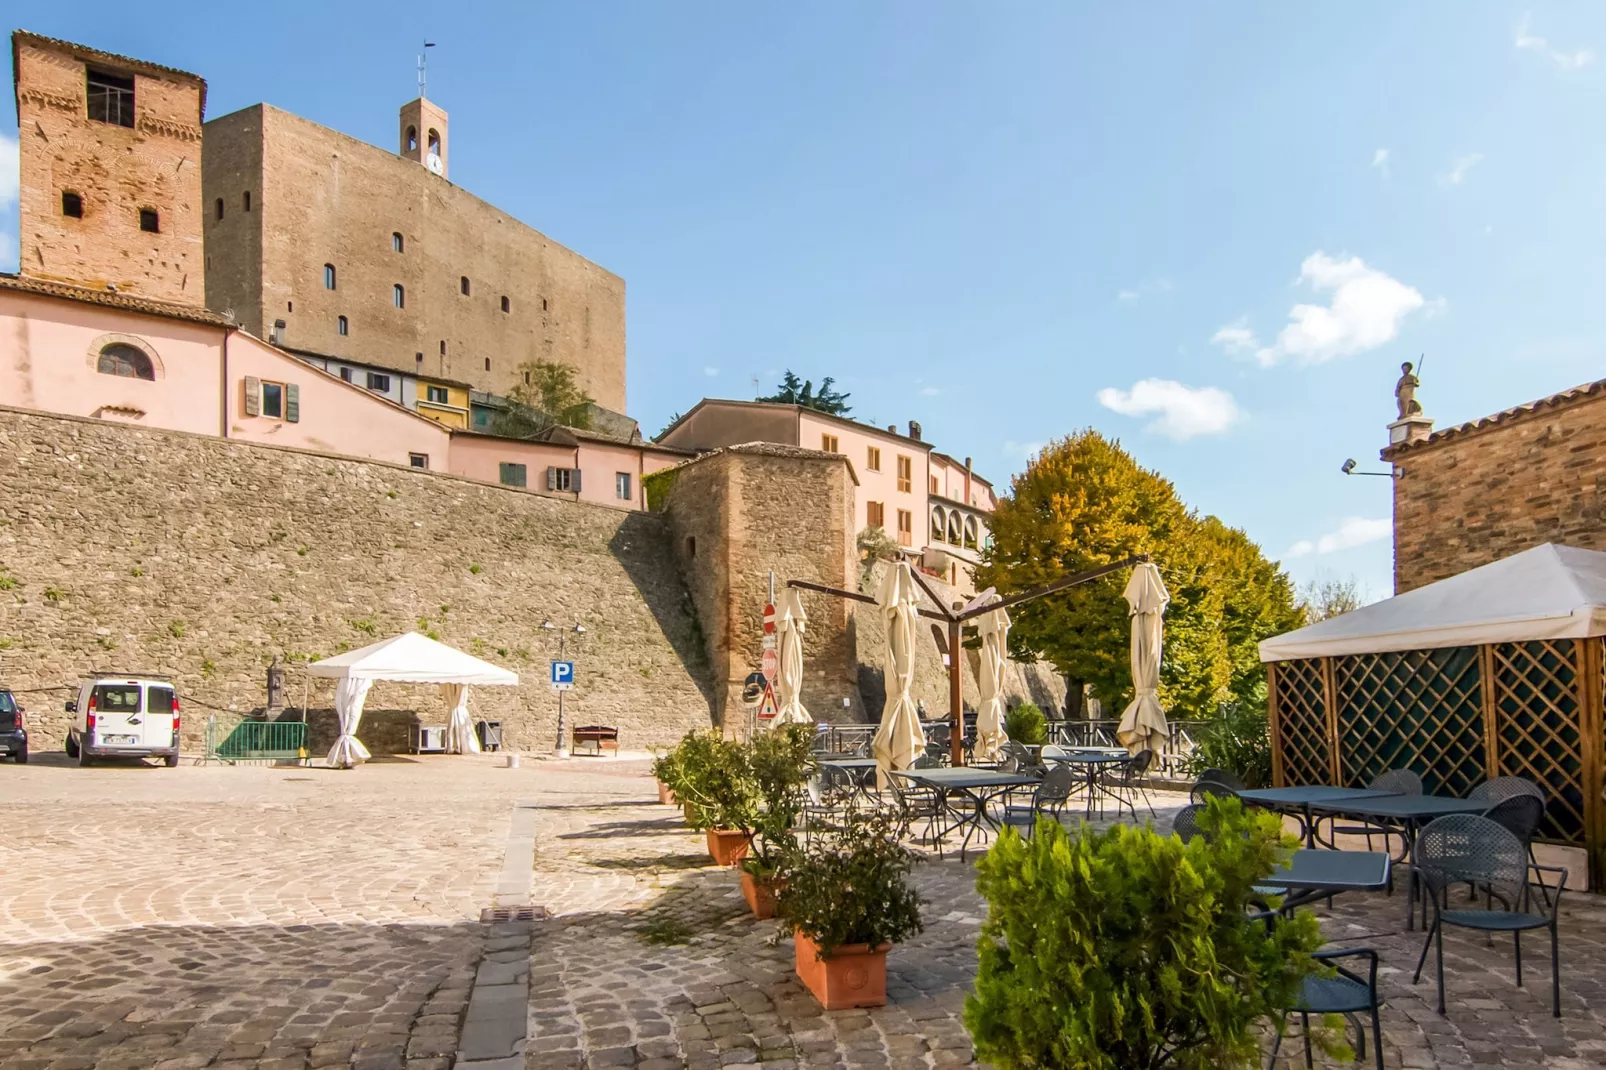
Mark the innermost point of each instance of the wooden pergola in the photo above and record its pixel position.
(956, 619)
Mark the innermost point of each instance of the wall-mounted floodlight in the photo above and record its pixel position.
(1348, 468)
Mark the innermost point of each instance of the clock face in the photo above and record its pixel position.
(434, 163)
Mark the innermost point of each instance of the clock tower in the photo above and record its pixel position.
(423, 134)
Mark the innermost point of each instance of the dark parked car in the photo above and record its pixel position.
(13, 728)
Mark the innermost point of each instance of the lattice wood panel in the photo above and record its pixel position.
(1302, 722)
(1537, 734)
(1420, 710)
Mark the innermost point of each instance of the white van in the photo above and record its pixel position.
(124, 717)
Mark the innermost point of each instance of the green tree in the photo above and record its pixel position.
(548, 396)
(794, 391)
(1115, 949)
(1084, 502)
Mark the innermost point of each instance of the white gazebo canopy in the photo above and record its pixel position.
(1548, 592)
(413, 659)
(407, 659)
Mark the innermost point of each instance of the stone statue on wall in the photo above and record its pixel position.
(1405, 392)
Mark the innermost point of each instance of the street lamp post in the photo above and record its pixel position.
(562, 748)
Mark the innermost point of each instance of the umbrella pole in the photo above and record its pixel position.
(956, 712)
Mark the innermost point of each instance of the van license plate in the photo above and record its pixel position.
(114, 740)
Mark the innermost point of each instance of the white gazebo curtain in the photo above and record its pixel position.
(1143, 724)
(994, 631)
(350, 694)
(790, 623)
(900, 739)
(460, 736)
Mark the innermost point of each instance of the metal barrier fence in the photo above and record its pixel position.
(855, 739)
(258, 741)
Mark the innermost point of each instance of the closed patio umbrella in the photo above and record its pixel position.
(900, 738)
(994, 630)
(790, 622)
(1143, 725)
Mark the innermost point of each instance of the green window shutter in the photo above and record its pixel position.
(292, 402)
(253, 396)
(575, 484)
(551, 479)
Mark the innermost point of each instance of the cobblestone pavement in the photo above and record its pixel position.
(304, 918)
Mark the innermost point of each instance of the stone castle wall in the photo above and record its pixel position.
(117, 171)
(1476, 495)
(129, 549)
(321, 197)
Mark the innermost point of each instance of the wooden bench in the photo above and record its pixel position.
(600, 737)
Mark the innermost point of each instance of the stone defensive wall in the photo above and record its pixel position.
(135, 550)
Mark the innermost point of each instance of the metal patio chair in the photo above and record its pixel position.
(1468, 849)
(1207, 789)
(1186, 823)
(1520, 815)
(1500, 788)
(1395, 781)
(1128, 779)
(1347, 992)
(1049, 797)
(1221, 776)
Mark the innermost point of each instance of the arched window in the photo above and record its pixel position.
(970, 532)
(396, 243)
(398, 296)
(220, 207)
(938, 526)
(126, 361)
(72, 205)
(434, 143)
(506, 304)
(412, 139)
(953, 528)
(462, 285)
(328, 276)
(342, 326)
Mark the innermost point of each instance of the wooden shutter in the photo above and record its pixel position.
(551, 478)
(574, 480)
(253, 396)
(292, 403)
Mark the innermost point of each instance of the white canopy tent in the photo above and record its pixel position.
(408, 659)
(1548, 592)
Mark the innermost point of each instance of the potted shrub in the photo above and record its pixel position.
(1126, 948)
(847, 899)
(667, 772)
(779, 762)
(1026, 725)
(719, 794)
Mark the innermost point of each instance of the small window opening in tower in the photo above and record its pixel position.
(506, 304)
(462, 284)
(543, 304)
(149, 221)
(328, 276)
(396, 243)
(220, 207)
(111, 98)
(487, 363)
(443, 347)
(247, 200)
(72, 205)
(343, 326)
(412, 139)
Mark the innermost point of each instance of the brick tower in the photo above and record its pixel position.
(111, 170)
(423, 134)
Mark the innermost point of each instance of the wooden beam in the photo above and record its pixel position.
(956, 706)
(1330, 693)
(1587, 653)
(936, 600)
(1273, 713)
(1057, 585)
(805, 585)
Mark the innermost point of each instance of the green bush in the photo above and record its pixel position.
(710, 778)
(852, 887)
(1124, 948)
(1026, 724)
(779, 762)
(1237, 740)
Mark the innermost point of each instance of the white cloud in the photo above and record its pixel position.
(1353, 531)
(1567, 61)
(1127, 295)
(9, 162)
(1365, 312)
(1149, 287)
(1182, 411)
(710, 371)
(1380, 161)
(1458, 170)
(930, 392)
(1021, 449)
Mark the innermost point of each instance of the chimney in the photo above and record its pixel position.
(893, 428)
(914, 430)
(968, 499)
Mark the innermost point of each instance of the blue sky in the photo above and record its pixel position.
(1212, 231)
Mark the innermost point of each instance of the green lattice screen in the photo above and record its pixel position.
(1420, 710)
(1537, 728)
(1302, 722)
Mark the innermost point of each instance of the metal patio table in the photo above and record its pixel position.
(978, 786)
(1304, 798)
(1093, 760)
(858, 772)
(1410, 812)
(1316, 874)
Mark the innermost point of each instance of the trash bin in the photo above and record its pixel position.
(490, 733)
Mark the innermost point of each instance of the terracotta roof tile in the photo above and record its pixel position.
(1555, 401)
(113, 299)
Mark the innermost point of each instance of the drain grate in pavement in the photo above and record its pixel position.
(495, 914)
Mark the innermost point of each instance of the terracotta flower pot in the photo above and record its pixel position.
(727, 846)
(854, 976)
(685, 809)
(665, 796)
(760, 894)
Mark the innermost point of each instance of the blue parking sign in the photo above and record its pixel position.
(562, 675)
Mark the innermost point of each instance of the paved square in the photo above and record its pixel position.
(281, 917)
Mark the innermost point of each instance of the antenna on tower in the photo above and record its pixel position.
(423, 68)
